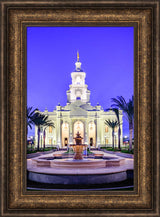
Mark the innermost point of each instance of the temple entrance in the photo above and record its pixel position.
(79, 127)
(91, 141)
(65, 134)
(92, 134)
(65, 141)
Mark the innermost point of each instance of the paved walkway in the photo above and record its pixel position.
(37, 154)
(118, 153)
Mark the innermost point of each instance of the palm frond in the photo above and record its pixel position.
(112, 124)
(30, 116)
(116, 111)
(119, 102)
(127, 108)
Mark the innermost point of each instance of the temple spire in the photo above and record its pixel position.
(78, 64)
(77, 56)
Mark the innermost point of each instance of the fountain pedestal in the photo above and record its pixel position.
(78, 147)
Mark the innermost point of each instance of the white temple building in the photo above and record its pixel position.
(79, 115)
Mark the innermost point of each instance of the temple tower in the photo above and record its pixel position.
(78, 89)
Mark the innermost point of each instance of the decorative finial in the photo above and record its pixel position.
(77, 56)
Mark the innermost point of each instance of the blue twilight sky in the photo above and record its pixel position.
(106, 54)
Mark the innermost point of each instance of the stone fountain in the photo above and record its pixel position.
(78, 147)
(76, 170)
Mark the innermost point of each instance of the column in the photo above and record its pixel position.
(70, 133)
(98, 130)
(86, 133)
(59, 130)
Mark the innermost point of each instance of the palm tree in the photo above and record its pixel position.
(112, 124)
(30, 117)
(117, 113)
(128, 109)
(41, 120)
(34, 117)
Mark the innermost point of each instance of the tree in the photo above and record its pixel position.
(116, 111)
(34, 117)
(41, 120)
(30, 116)
(112, 124)
(128, 109)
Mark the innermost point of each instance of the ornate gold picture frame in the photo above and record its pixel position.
(15, 199)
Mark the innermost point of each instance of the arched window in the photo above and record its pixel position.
(65, 134)
(106, 142)
(92, 133)
(50, 129)
(106, 129)
(78, 98)
(50, 141)
(79, 127)
(78, 80)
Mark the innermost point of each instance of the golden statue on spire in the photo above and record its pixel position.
(77, 56)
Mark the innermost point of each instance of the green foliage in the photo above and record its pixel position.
(42, 120)
(112, 124)
(29, 150)
(123, 150)
(72, 152)
(30, 116)
(39, 120)
(112, 149)
(47, 149)
(69, 152)
(128, 151)
(126, 107)
(88, 151)
(34, 117)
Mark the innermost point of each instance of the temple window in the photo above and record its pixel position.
(50, 129)
(106, 129)
(50, 141)
(78, 80)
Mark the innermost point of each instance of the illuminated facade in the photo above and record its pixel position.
(79, 115)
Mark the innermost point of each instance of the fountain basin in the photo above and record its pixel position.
(46, 169)
(71, 163)
(78, 164)
(77, 179)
